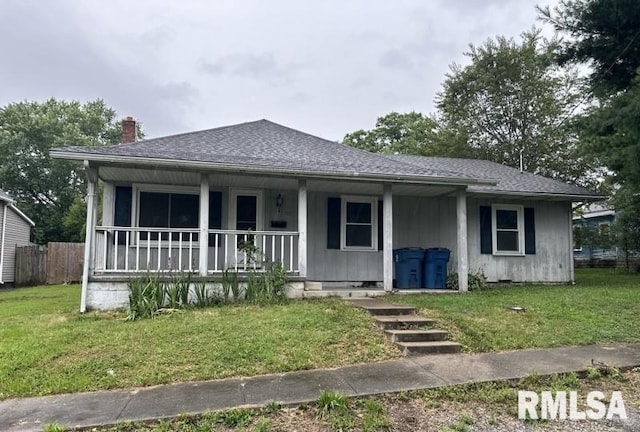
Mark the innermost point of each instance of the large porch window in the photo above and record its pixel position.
(168, 210)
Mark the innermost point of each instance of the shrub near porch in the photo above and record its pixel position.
(46, 347)
(602, 307)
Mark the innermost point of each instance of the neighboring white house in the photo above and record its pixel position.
(332, 214)
(15, 230)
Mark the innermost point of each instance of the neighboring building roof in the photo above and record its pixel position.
(22, 215)
(5, 196)
(595, 210)
(263, 146)
(509, 180)
(7, 199)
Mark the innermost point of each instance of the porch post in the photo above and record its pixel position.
(302, 228)
(203, 239)
(463, 252)
(88, 265)
(387, 236)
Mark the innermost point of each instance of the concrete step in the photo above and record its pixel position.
(435, 347)
(389, 322)
(416, 335)
(389, 310)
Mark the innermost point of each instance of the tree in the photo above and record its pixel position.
(605, 35)
(44, 188)
(407, 133)
(512, 100)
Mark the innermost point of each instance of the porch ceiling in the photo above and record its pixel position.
(118, 174)
(192, 178)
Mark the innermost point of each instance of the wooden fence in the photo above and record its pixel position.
(54, 264)
(31, 265)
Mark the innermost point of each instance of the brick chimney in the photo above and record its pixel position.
(128, 130)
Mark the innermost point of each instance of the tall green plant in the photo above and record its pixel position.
(146, 297)
(204, 297)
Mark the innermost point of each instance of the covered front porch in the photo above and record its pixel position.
(330, 235)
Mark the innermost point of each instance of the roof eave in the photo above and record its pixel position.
(538, 195)
(98, 158)
(22, 215)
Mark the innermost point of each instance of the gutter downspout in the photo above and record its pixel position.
(4, 235)
(572, 264)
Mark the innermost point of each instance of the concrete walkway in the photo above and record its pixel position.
(109, 407)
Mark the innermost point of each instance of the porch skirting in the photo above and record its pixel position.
(107, 293)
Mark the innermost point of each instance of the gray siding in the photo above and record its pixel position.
(17, 232)
(424, 222)
(333, 265)
(417, 222)
(431, 222)
(552, 261)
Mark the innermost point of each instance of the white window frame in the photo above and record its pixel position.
(233, 195)
(373, 201)
(135, 200)
(520, 230)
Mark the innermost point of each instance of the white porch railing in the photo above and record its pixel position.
(139, 250)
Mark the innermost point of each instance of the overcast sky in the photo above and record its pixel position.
(324, 67)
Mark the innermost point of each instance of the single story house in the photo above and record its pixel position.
(332, 214)
(15, 230)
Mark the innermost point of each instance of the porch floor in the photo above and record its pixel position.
(347, 291)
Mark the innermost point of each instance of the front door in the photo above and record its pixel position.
(246, 215)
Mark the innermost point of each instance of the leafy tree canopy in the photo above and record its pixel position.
(407, 133)
(512, 98)
(46, 188)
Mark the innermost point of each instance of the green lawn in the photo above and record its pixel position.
(47, 347)
(603, 306)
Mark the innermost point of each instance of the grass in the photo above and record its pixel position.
(602, 307)
(47, 347)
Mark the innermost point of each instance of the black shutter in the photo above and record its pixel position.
(380, 224)
(529, 231)
(215, 215)
(486, 240)
(215, 210)
(333, 223)
(122, 211)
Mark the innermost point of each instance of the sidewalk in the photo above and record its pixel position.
(411, 373)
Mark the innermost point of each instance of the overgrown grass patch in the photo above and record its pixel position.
(602, 307)
(47, 347)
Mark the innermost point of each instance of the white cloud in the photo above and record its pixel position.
(324, 67)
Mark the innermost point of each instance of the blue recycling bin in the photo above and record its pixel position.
(434, 272)
(408, 267)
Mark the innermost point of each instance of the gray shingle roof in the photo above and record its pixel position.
(510, 180)
(268, 145)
